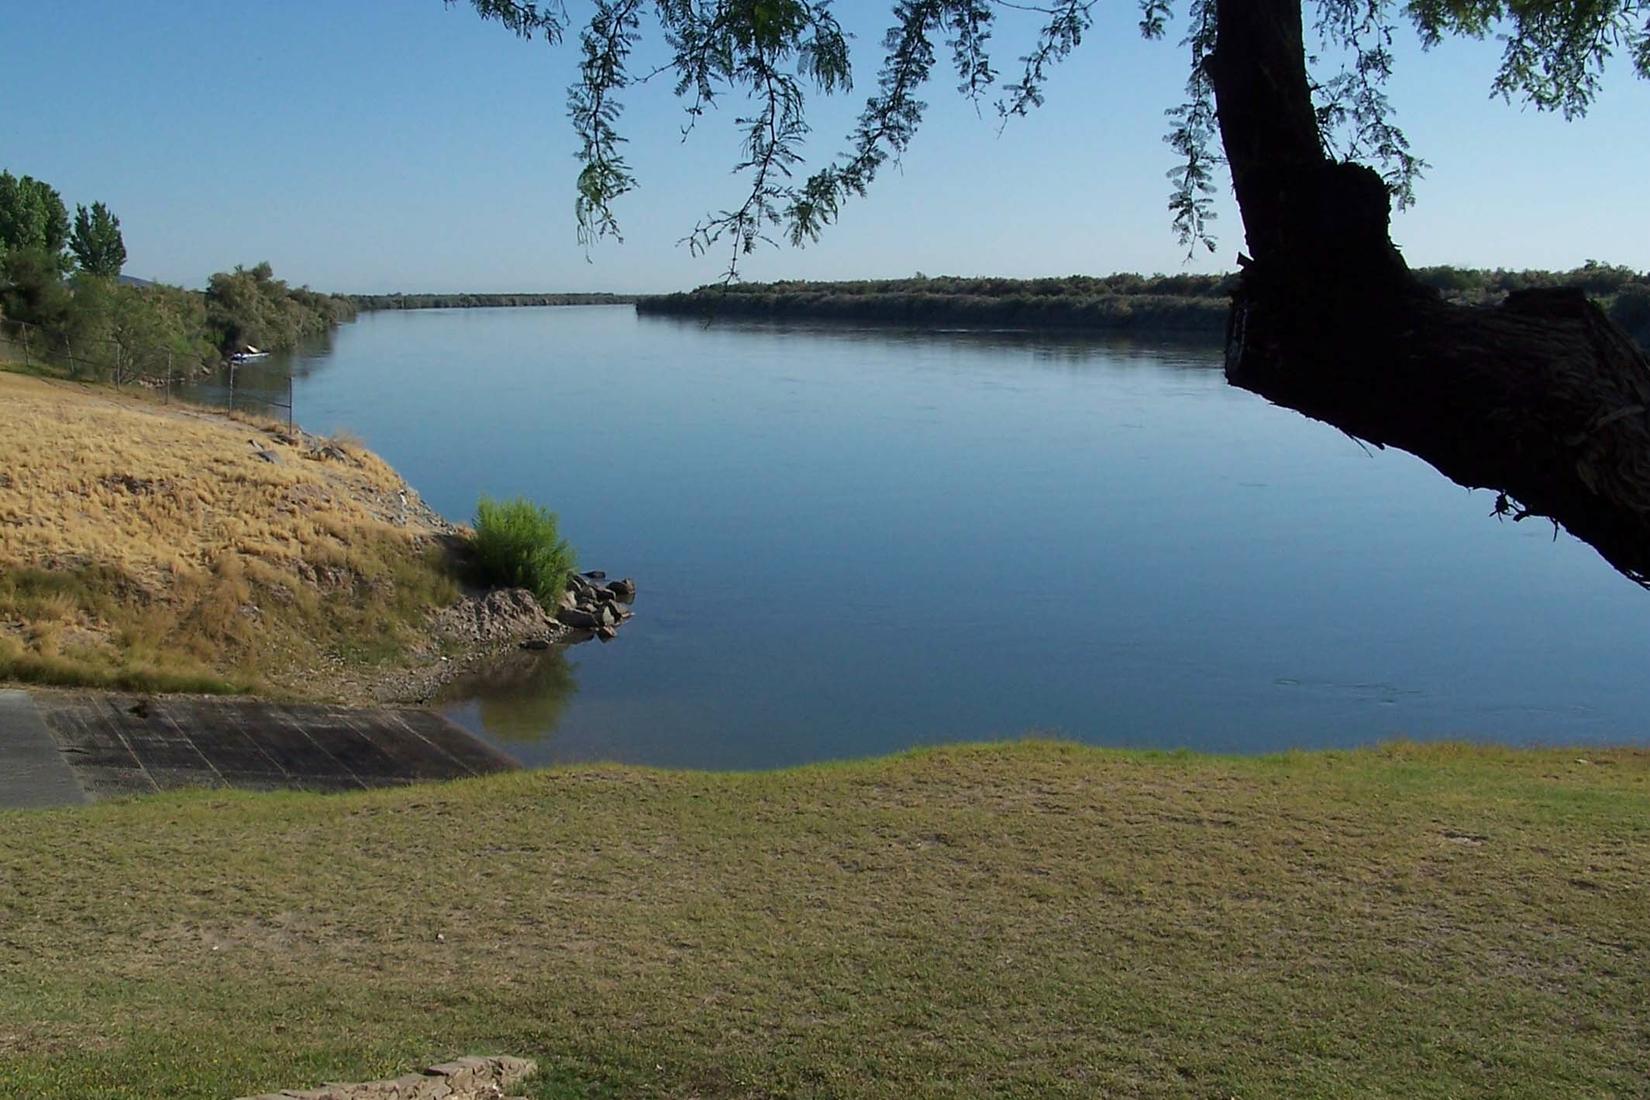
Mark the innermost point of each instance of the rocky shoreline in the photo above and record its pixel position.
(484, 628)
(259, 559)
(591, 607)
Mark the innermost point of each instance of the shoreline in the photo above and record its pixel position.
(184, 549)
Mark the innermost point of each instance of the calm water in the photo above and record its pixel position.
(852, 541)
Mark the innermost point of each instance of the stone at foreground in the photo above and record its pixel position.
(464, 1079)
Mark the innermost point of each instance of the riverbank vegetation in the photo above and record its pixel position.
(1622, 293)
(1180, 305)
(97, 328)
(65, 309)
(369, 302)
(249, 306)
(159, 547)
(1177, 305)
(1013, 920)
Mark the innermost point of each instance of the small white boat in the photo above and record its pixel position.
(248, 354)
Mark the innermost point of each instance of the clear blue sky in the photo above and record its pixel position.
(374, 146)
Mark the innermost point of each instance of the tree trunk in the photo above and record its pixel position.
(1542, 398)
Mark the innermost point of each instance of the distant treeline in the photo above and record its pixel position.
(1177, 304)
(368, 302)
(1182, 304)
(1623, 294)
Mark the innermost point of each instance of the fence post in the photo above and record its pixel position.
(167, 397)
(27, 360)
(232, 385)
(289, 402)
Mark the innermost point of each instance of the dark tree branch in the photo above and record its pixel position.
(1542, 399)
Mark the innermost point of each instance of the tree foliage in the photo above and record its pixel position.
(94, 326)
(32, 218)
(32, 288)
(249, 306)
(771, 51)
(96, 241)
(119, 333)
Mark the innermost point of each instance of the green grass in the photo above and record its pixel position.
(1013, 920)
(516, 545)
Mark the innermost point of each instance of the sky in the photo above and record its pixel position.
(374, 146)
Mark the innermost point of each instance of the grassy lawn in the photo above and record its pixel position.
(1013, 920)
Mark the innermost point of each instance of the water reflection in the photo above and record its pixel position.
(262, 386)
(1187, 351)
(520, 698)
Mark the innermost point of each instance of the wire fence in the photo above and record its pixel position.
(157, 369)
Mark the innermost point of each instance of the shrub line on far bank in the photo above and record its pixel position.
(1157, 314)
(1182, 305)
(367, 303)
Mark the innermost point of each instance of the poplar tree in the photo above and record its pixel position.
(96, 241)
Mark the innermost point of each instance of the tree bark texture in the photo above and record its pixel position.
(1541, 398)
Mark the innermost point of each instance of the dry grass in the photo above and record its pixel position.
(152, 546)
(1028, 920)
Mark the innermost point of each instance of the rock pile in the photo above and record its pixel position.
(498, 617)
(593, 608)
(465, 1079)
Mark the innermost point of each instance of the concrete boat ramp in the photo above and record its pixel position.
(63, 748)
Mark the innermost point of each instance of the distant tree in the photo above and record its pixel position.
(1542, 399)
(96, 241)
(32, 218)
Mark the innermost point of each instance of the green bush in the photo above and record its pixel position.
(251, 306)
(516, 545)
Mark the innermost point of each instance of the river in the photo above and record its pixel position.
(857, 540)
